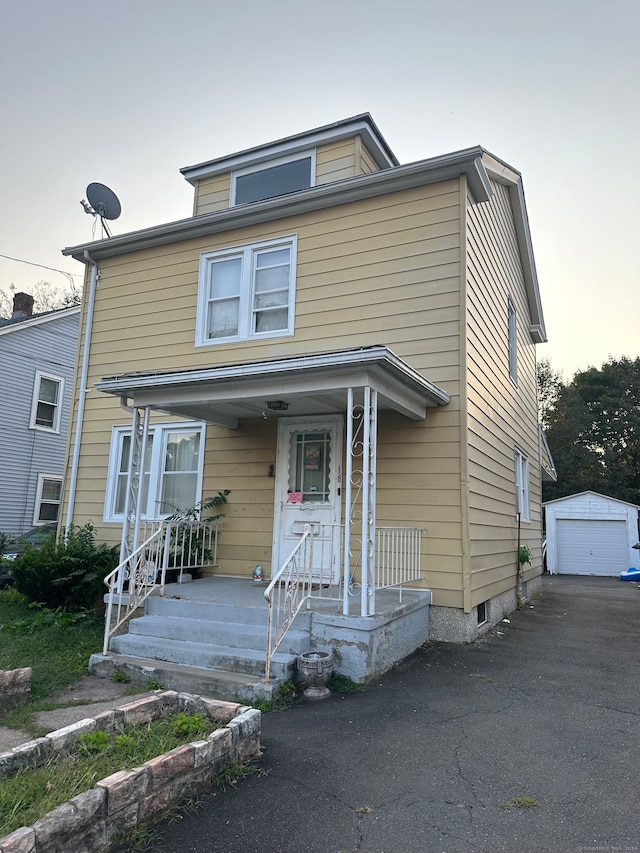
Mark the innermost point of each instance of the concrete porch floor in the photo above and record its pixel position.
(240, 591)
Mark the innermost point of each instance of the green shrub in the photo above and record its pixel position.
(65, 574)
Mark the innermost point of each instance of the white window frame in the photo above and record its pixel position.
(55, 428)
(37, 521)
(512, 336)
(247, 254)
(521, 465)
(160, 433)
(309, 154)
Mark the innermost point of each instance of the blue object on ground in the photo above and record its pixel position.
(630, 575)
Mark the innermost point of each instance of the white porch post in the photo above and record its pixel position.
(360, 495)
(135, 472)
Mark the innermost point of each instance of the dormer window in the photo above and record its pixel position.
(279, 177)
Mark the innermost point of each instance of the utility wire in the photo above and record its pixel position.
(69, 275)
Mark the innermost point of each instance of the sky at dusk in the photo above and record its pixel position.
(126, 92)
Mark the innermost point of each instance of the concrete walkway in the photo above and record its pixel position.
(437, 755)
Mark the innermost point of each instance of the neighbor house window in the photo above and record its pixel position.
(285, 175)
(47, 499)
(513, 351)
(522, 484)
(247, 292)
(46, 407)
(171, 475)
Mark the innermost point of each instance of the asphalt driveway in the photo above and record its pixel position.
(526, 742)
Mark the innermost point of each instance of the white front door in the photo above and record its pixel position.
(308, 486)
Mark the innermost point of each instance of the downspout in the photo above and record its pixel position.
(82, 393)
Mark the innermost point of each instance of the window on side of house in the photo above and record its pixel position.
(172, 471)
(279, 177)
(522, 484)
(47, 499)
(46, 408)
(247, 292)
(512, 339)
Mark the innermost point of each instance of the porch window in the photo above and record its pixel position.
(522, 484)
(247, 292)
(47, 499)
(46, 407)
(172, 471)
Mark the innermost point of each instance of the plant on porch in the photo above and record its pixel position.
(189, 547)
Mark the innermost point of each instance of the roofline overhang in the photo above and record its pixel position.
(362, 124)
(38, 319)
(376, 365)
(467, 162)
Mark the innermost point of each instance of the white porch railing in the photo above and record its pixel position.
(299, 581)
(167, 545)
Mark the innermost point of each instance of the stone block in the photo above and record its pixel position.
(72, 818)
(245, 724)
(33, 752)
(106, 721)
(23, 840)
(125, 787)
(217, 709)
(142, 711)
(155, 803)
(165, 768)
(66, 737)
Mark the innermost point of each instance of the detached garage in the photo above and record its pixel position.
(591, 534)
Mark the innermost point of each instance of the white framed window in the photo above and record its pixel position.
(247, 292)
(277, 177)
(522, 484)
(48, 498)
(512, 341)
(46, 407)
(172, 470)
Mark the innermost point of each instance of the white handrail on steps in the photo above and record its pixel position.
(133, 581)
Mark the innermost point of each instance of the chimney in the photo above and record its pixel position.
(22, 306)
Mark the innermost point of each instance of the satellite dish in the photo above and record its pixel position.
(103, 202)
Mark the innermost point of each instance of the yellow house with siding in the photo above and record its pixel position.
(343, 342)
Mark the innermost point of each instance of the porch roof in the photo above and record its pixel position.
(308, 385)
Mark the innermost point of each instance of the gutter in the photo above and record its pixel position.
(82, 393)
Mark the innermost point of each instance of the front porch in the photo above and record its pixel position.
(210, 636)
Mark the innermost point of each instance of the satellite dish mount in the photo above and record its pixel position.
(102, 202)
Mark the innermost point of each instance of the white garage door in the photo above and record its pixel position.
(592, 547)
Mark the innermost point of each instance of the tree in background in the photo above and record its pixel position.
(46, 297)
(549, 385)
(593, 430)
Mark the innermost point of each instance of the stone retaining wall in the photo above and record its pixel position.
(92, 821)
(15, 685)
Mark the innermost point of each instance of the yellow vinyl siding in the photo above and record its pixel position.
(381, 271)
(366, 161)
(336, 161)
(212, 194)
(501, 416)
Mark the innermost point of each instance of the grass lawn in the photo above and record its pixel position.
(57, 647)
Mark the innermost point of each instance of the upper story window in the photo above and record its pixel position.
(522, 484)
(172, 471)
(512, 336)
(279, 177)
(247, 292)
(46, 407)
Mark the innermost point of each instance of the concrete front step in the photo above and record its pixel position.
(230, 634)
(215, 683)
(204, 655)
(209, 611)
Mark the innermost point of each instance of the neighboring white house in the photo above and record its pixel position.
(591, 534)
(37, 360)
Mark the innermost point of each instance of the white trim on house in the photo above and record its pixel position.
(255, 168)
(153, 473)
(521, 465)
(311, 385)
(362, 125)
(37, 319)
(57, 416)
(39, 499)
(247, 255)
